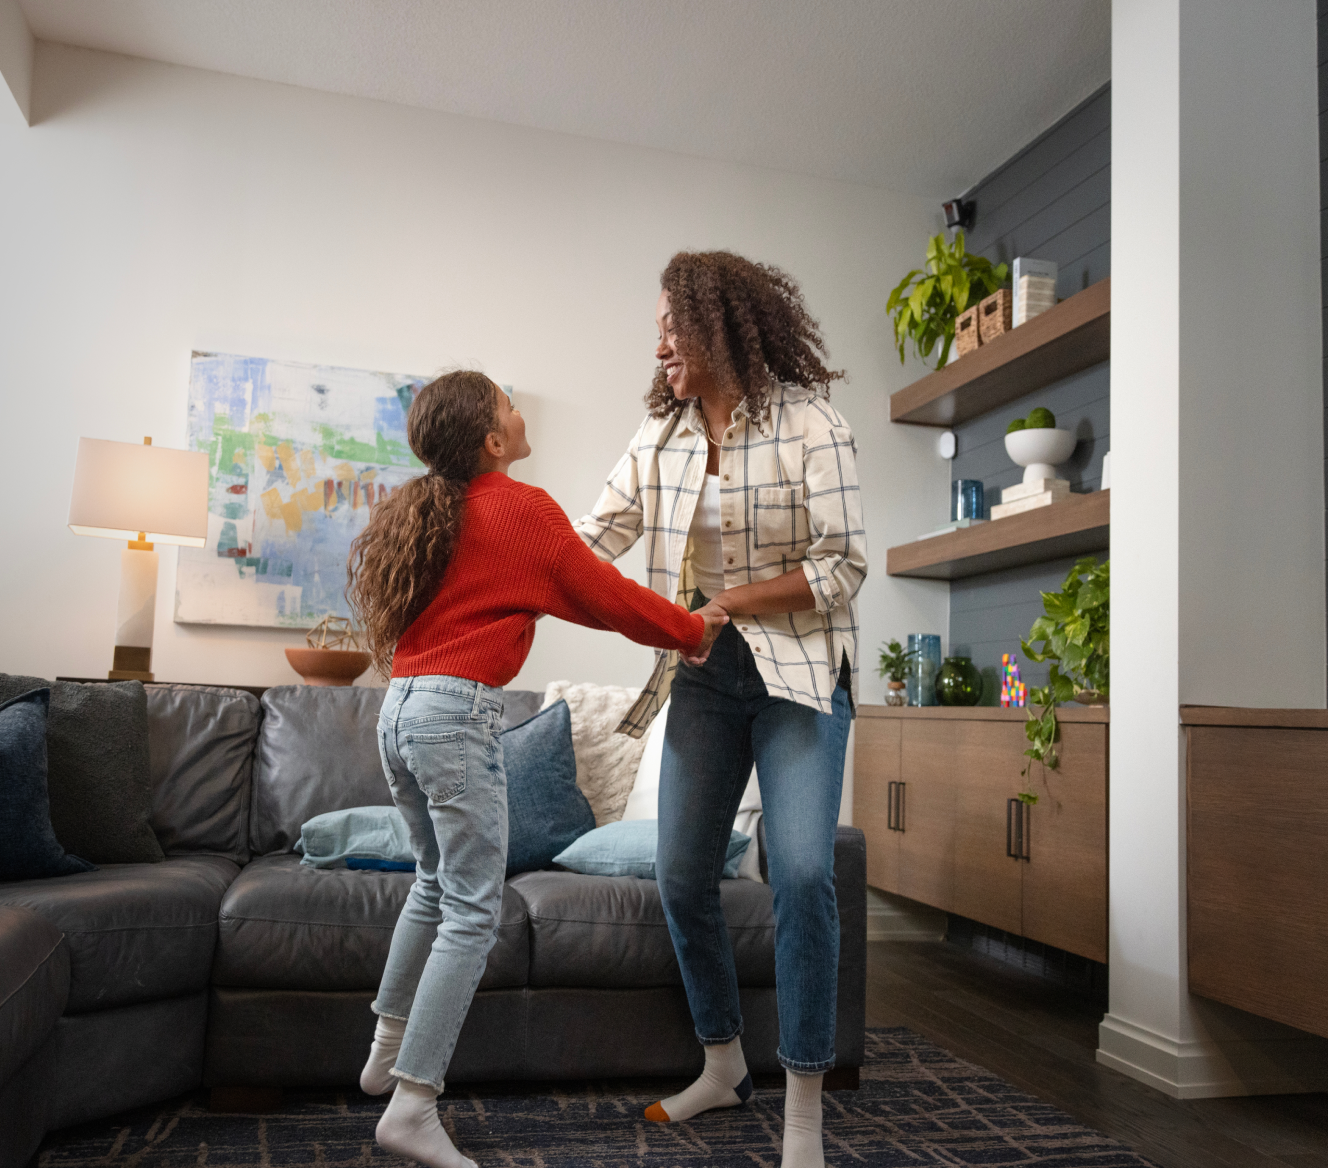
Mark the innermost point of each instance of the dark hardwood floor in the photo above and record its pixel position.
(1042, 1038)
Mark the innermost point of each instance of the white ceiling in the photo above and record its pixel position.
(923, 96)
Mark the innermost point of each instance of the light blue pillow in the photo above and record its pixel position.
(336, 838)
(627, 848)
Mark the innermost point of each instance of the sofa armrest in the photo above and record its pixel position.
(34, 984)
(851, 896)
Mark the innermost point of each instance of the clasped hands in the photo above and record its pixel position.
(715, 617)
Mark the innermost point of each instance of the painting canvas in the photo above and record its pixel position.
(299, 455)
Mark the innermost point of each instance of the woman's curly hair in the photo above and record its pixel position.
(397, 562)
(747, 323)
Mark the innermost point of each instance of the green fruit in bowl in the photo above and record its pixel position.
(1041, 419)
(1017, 424)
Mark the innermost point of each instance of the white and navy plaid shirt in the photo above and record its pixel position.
(788, 497)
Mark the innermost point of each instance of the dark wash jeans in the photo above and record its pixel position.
(721, 720)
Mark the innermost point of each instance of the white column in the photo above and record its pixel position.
(16, 55)
(1217, 478)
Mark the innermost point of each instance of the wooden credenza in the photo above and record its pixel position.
(935, 792)
(1257, 859)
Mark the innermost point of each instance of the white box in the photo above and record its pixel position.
(1033, 280)
(1057, 487)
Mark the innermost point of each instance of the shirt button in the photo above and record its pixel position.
(730, 559)
(728, 523)
(726, 478)
(744, 628)
(757, 648)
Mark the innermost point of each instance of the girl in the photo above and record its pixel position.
(447, 581)
(742, 479)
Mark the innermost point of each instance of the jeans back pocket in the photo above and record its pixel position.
(438, 763)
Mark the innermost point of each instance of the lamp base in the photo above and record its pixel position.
(131, 663)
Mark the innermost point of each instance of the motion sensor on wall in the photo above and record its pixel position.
(960, 213)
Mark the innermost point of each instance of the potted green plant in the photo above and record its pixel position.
(1075, 636)
(926, 302)
(894, 665)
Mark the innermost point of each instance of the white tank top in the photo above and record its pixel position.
(707, 551)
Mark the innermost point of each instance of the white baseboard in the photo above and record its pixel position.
(1282, 1061)
(895, 918)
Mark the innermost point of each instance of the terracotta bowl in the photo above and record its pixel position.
(328, 666)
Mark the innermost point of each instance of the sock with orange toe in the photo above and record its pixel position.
(377, 1078)
(724, 1083)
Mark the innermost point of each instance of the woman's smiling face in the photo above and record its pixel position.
(673, 363)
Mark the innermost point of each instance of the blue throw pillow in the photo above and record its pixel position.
(30, 849)
(627, 848)
(545, 808)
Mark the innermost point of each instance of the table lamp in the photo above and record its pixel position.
(144, 494)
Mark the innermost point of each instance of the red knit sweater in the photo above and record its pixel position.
(516, 557)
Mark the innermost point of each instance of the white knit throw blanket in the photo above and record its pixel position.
(606, 763)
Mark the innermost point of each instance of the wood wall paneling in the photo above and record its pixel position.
(1065, 879)
(1257, 845)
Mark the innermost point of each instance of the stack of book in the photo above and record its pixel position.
(1034, 288)
(1028, 496)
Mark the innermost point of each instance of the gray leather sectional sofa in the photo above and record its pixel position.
(230, 964)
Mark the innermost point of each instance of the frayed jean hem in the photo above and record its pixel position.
(438, 1087)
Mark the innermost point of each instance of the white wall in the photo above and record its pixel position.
(1217, 478)
(152, 210)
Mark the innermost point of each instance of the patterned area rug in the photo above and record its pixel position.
(918, 1105)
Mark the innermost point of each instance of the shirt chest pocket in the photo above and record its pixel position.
(779, 519)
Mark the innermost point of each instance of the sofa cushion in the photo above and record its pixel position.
(610, 932)
(201, 744)
(135, 932)
(285, 925)
(31, 850)
(98, 775)
(34, 985)
(317, 751)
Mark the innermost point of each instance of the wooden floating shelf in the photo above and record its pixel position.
(1073, 527)
(983, 713)
(1063, 340)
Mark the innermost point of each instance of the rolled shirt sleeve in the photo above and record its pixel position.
(616, 521)
(836, 560)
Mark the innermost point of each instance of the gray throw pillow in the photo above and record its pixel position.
(99, 776)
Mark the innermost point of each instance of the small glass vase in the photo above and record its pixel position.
(894, 693)
(959, 683)
(922, 668)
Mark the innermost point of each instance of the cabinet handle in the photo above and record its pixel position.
(899, 806)
(890, 807)
(1011, 810)
(1026, 832)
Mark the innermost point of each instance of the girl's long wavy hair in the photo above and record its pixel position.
(397, 562)
(747, 323)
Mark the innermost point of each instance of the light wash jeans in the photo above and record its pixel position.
(721, 719)
(440, 739)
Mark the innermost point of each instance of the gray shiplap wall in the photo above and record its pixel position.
(1052, 200)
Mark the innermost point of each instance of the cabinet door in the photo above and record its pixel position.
(926, 845)
(1258, 851)
(987, 881)
(1065, 879)
(875, 767)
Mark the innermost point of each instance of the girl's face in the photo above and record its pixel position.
(511, 429)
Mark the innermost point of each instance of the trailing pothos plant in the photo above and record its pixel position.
(926, 302)
(1075, 636)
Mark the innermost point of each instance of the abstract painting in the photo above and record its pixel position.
(299, 455)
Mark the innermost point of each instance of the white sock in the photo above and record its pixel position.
(375, 1078)
(410, 1127)
(802, 1122)
(724, 1083)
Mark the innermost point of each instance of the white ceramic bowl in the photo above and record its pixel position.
(1039, 451)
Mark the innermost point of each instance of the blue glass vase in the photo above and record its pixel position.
(923, 668)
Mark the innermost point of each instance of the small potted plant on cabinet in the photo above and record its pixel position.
(894, 665)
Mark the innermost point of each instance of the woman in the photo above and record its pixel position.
(742, 480)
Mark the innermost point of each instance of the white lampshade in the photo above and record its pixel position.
(122, 488)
